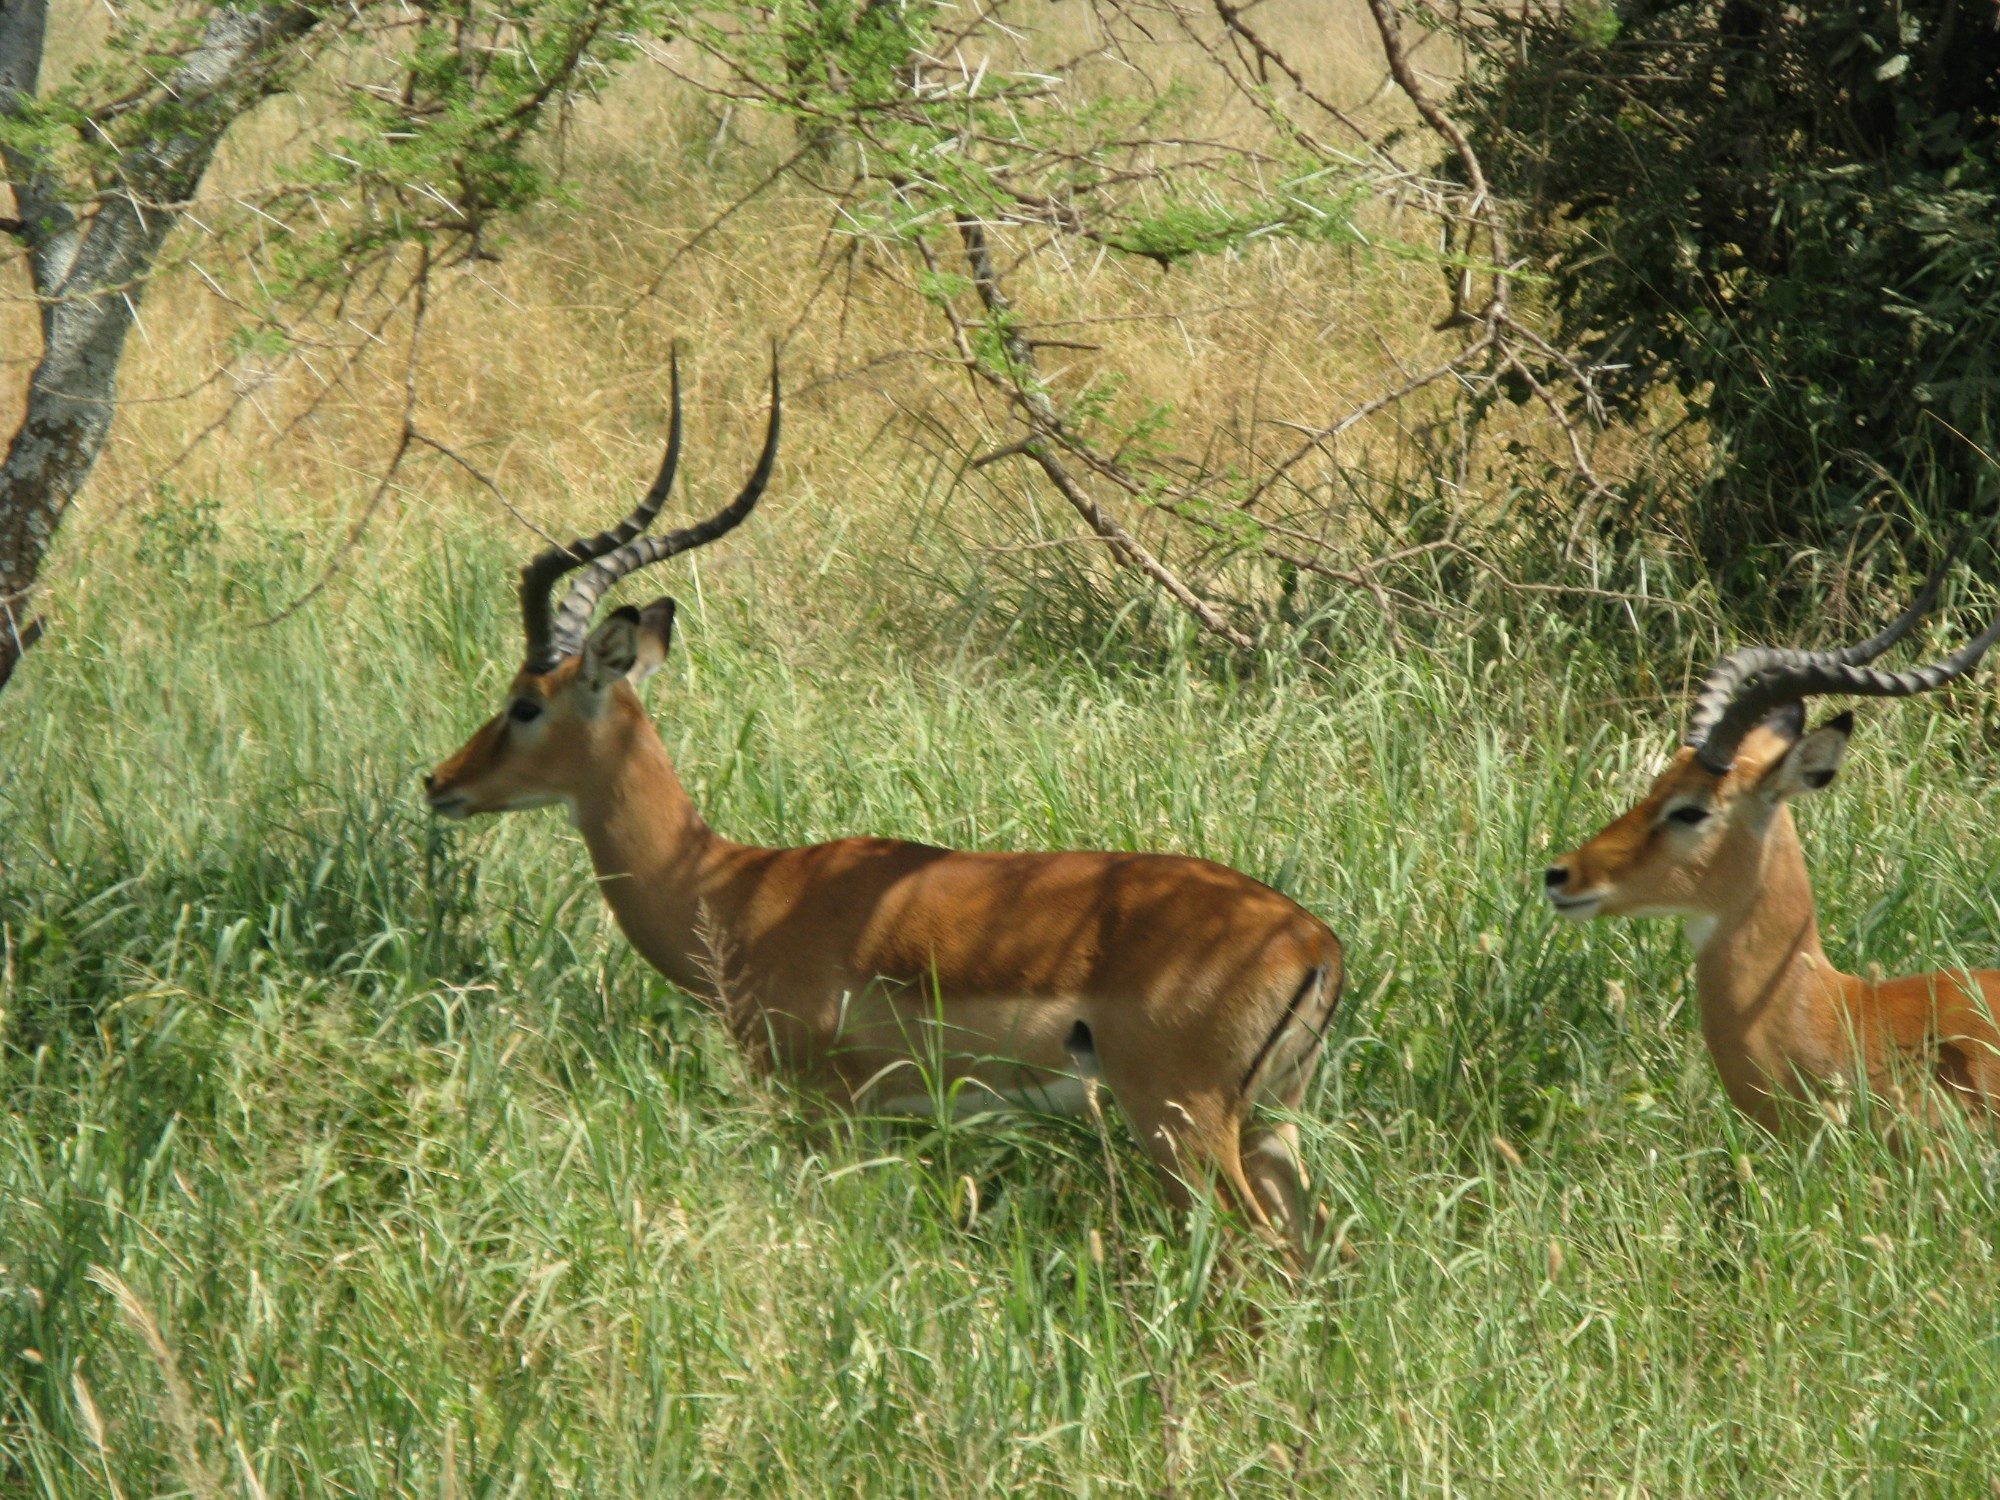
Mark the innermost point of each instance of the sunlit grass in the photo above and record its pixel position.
(426, 1185)
(347, 1153)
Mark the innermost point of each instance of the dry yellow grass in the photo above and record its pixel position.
(547, 368)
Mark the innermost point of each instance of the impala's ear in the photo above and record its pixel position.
(1788, 721)
(612, 650)
(656, 634)
(1809, 766)
(631, 643)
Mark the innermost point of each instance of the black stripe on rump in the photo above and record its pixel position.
(1314, 976)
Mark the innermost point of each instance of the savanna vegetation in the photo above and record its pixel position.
(347, 1152)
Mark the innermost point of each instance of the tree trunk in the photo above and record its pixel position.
(70, 403)
(90, 274)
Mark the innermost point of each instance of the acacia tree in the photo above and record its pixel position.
(950, 151)
(425, 117)
(429, 144)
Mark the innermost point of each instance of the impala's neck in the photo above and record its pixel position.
(1764, 983)
(656, 860)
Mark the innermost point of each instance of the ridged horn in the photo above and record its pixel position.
(572, 620)
(1743, 688)
(539, 577)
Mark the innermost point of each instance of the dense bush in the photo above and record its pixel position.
(1786, 213)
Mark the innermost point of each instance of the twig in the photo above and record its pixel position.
(1232, 18)
(1579, 461)
(1390, 26)
(701, 235)
(1127, 546)
(417, 435)
(1359, 414)
(1045, 424)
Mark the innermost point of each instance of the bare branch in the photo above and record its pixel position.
(701, 236)
(1268, 56)
(1390, 26)
(1105, 525)
(418, 436)
(1028, 389)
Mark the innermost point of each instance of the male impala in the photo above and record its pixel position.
(1714, 842)
(878, 969)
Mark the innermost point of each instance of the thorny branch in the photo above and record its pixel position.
(409, 435)
(1389, 25)
(1016, 199)
(1046, 428)
(485, 479)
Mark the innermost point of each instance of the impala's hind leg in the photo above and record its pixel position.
(1270, 1156)
(1198, 1146)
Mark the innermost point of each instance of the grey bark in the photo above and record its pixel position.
(90, 268)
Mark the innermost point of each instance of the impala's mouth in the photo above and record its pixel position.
(1577, 908)
(454, 805)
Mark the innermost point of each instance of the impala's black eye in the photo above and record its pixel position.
(524, 710)
(1688, 816)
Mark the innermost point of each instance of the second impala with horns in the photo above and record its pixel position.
(1713, 841)
(876, 967)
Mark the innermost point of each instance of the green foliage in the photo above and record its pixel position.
(1181, 230)
(844, 57)
(436, 138)
(179, 530)
(943, 288)
(929, 140)
(1787, 214)
(449, 148)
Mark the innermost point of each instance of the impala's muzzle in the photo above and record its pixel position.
(455, 787)
(443, 801)
(1558, 884)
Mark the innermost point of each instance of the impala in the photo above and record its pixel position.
(888, 973)
(1713, 842)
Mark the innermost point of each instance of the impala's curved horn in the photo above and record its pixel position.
(1745, 686)
(539, 577)
(572, 620)
(1860, 655)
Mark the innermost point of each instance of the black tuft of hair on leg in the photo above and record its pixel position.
(1082, 1049)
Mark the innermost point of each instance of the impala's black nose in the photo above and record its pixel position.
(1555, 877)
(430, 783)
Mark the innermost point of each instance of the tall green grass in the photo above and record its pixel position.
(344, 1153)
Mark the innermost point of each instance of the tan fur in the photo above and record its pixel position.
(863, 957)
(1780, 1020)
